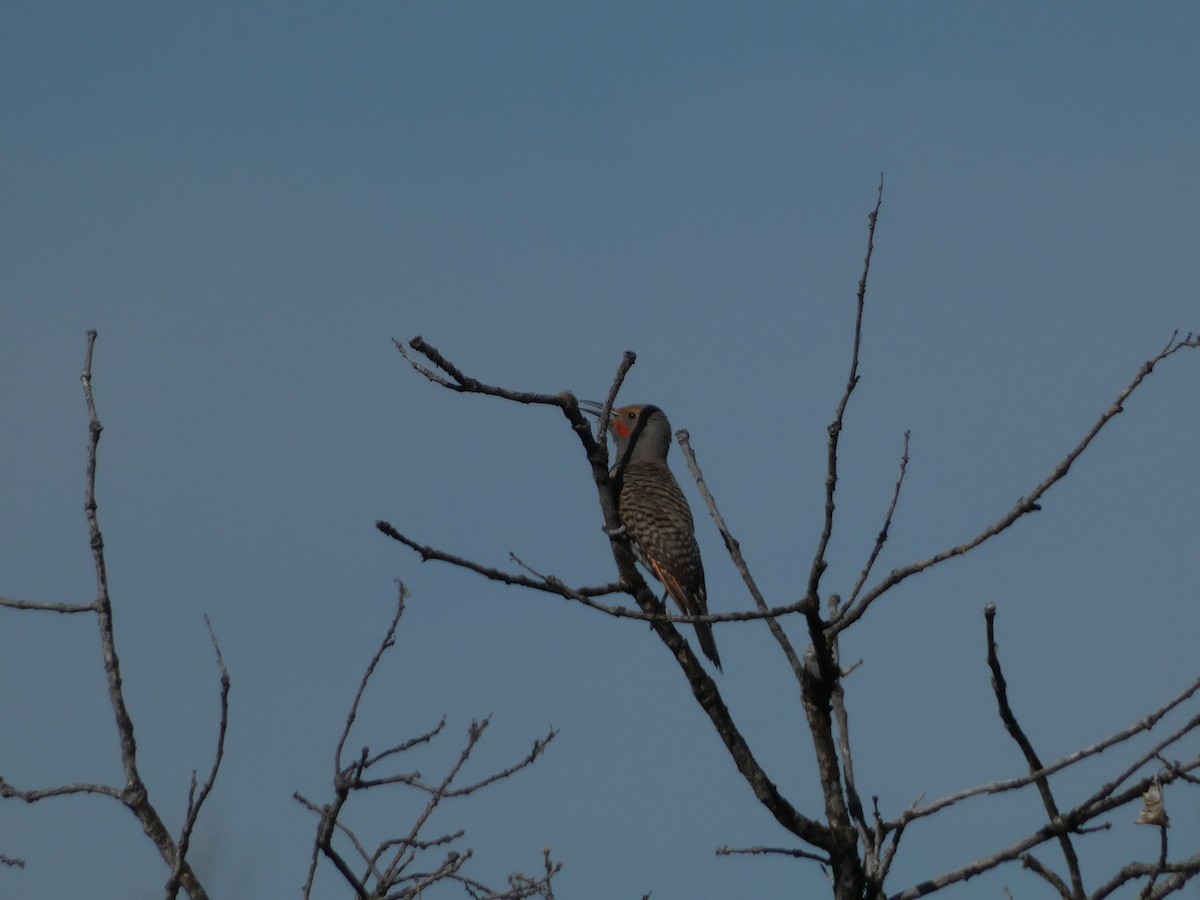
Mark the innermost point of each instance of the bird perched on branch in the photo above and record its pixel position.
(654, 512)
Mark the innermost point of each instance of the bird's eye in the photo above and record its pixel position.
(631, 415)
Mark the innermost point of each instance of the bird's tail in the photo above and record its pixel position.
(707, 644)
(689, 606)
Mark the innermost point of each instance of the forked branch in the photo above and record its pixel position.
(1028, 503)
(401, 866)
(134, 795)
(1009, 718)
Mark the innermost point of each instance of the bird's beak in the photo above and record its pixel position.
(591, 407)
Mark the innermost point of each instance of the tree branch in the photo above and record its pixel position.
(835, 427)
(773, 851)
(735, 553)
(1073, 820)
(551, 584)
(820, 681)
(464, 384)
(1028, 503)
(882, 537)
(395, 878)
(196, 802)
(9, 792)
(1144, 724)
(135, 795)
(1009, 718)
(48, 607)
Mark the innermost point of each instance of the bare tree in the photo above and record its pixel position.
(397, 867)
(857, 847)
(134, 795)
(394, 870)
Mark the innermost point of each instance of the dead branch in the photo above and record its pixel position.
(1161, 864)
(551, 584)
(196, 801)
(835, 427)
(48, 607)
(390, 869)
(465, 384)
(1009, 718)
(134, 796)
(9, 792)
(1073, 820)
(819, 682)
(1144, 724)
(859, 853)
(1184, 870)
(1034, 865)
(739, 562)
(882, 537)
(772, 851)
(1028, 503)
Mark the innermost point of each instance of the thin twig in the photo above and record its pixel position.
(1153, 753)
(389, 641)
(63, 790)
(835, 427)
(1009, 718)
(882, 537)
(1035, 865)
(541, 583)
(539, 747)
(395, 878)
(348, 778)
(794, 852)
(474, 733)
(467, 385)
(551, 584)
(897, 833)
(1174, 767)
(1183, 869)
(196, 802)
(1144, 724)
(1072, 820)
(48, 607)
(112, 665)
(628, 358)
(135, 795)
(1161, 865)
(1027, 504)
(333, 855)
(734, 549)
(405, 746)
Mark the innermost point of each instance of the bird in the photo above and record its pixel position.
(655, 513)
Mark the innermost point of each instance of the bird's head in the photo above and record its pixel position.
(640, 430)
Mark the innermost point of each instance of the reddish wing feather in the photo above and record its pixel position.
(675, 589)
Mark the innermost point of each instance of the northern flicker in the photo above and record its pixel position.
(655, 513)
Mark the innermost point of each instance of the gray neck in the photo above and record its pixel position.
(652, 440)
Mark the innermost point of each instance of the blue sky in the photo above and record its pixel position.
(250, 202)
